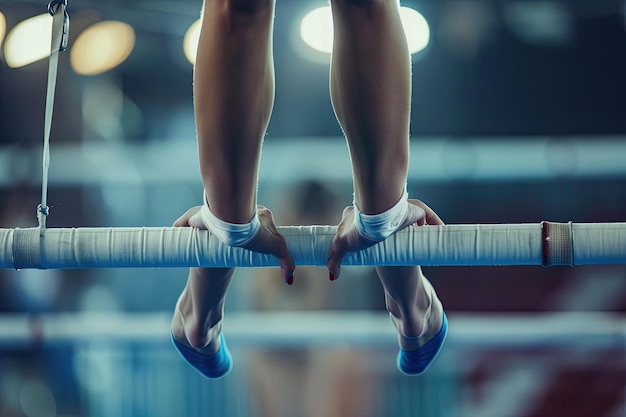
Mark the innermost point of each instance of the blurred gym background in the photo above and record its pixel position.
(519, 115)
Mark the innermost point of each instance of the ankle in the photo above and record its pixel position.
(200, 335)
(418, 317)
(411, 321)
(198, 328)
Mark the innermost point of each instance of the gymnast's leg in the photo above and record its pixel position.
(233, 99)
(370, 82)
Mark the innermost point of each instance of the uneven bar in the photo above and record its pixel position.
(161, 247)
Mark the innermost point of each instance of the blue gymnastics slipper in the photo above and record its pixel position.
(212, 366)
(416, 362)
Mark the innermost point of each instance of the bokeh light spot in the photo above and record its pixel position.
(316, 29)
(29, 41)
(190, 42)
(416, 29)
(3, 27)
(102, 47)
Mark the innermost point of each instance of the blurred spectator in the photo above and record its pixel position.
(313, 382)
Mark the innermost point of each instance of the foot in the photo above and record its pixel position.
(417, 361)
(213, 366)
(422, 335)
(203, 348)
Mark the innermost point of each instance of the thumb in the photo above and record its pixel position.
(430, 217)
(183, 221)
(415, 215)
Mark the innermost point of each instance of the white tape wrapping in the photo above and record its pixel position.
(231, 234)
(163, 247)
(378, 227)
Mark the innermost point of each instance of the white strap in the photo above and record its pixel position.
(378, 227)
(60, 34)
(231, 234)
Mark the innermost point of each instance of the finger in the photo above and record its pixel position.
(183, 221)
(337, 252)
(431, 217)
(338, 246)
(287, 265)
(281, 251)
(279, 246)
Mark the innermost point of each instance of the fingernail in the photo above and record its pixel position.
(290, 280)
(331, 276)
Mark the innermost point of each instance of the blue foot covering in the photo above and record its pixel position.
(212, 366)
(416, 362)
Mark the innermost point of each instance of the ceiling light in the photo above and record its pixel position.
(102, 47)
(316, 29)
(29, 41)
(190, 42)
(416, 29)
(3, 27)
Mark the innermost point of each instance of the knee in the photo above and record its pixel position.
(243, 7)
(363, 4)
(363, 9)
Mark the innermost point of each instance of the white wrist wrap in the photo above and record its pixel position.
(231, 234)
(378, 227)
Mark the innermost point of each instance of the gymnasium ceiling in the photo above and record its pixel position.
(493, 68)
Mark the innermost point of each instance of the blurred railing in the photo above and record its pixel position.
(326, 159)
(327, 328)
(124, 365)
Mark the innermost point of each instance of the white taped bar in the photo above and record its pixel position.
(328, 328)
(6, 247)
(157, 247)
(594, 241)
